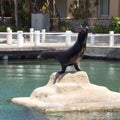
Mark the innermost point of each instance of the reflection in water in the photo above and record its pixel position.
(19, 70)
(5, 62)
(76, 115)
(111, 70)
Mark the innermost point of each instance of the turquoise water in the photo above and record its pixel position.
(20, 78)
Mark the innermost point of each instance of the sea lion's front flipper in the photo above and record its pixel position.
(63, 69)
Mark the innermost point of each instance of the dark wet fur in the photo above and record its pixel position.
(70, 56)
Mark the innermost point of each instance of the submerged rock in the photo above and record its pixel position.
(69, 92)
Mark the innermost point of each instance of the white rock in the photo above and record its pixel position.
(71, 91)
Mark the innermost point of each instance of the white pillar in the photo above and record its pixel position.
(37, 38)
(43, 36)
(20, 39)
(92, 39)
(9, 36)
(111, 41)
(68, 38)
(31, 35)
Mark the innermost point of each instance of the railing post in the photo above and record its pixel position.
(43, 36)
(92, 39)
(37, 38)
(20, 39)
(31, 35)
(68, 38)
(9, 36)
(111, 41)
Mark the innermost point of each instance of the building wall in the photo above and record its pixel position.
(114, 8)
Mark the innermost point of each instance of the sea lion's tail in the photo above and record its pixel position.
(47, 55)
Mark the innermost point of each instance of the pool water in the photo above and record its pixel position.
(20, 78)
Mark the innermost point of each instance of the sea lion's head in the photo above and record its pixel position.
(82, 36)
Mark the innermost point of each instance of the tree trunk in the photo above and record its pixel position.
(2, 11)
(16, 12)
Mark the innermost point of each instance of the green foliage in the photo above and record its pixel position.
(23, 15)
(24, 20)
(81, 9)
(14, 28)
(66, 26)
(102, 29)
(62, 26)
(2, 28)
(75, 10)
(116, 24)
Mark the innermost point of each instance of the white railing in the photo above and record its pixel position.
(36, 38)
(110, 39)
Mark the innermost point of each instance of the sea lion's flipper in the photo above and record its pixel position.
(63, 69)
(77, 67)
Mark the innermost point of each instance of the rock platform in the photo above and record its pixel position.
(70, 92)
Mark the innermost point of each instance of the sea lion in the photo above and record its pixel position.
(70, 56)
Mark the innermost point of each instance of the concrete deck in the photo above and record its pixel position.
(31, 51)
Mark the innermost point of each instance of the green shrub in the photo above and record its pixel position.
(116, 24)
(75, 10)
(2, 28)
(65, 26)
(102, 29)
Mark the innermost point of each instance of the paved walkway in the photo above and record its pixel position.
(91, 51)
(50, 45)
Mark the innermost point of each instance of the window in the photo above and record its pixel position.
(103, 9)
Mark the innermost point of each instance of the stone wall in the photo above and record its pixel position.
(40, 21)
